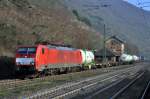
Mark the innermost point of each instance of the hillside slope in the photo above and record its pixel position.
(121, 18)
(71, 22)
(25, 22)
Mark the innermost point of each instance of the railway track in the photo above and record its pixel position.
(146, 93)
(11, 84)
(126, 88)
(116, 95)
(113, 90)
(73, 89)
(23, 85)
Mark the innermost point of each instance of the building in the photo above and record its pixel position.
(111, 57)
(115, 45)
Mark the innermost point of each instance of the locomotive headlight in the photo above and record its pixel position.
(32, 63)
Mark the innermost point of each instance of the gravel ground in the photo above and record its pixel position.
(133, 92)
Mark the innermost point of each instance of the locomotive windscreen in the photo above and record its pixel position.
(27, 50)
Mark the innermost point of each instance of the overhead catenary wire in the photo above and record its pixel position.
(141, 4)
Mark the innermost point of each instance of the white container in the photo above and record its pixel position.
(135, 58)
(87, 56)
(126, 58)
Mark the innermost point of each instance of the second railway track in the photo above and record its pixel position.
(72, 89)
(146, 93)
(128, 88)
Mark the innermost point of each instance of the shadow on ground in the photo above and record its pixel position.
(7, 67)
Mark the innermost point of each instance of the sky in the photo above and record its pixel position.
(143, 3)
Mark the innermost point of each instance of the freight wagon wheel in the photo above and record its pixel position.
(87, 67)
(78, 69)
(75, 69)
(69, 69)
(82, 68)
(53, 71)
(48, 72)
(44, 73)
(93, 67)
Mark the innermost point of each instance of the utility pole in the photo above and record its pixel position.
(104, 41)
(104, 44)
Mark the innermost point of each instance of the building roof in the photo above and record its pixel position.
(109, 53)
(116, 38)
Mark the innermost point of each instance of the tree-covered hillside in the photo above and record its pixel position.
(25, 22)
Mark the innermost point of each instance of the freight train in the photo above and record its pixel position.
(56, 59)
(128, 59)
(49, 58)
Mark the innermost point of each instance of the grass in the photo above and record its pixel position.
(19, 91)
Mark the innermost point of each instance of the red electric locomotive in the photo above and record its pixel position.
(44, 57)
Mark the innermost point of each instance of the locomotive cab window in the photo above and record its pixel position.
(31, 50)
(26, 50)
(43, 50)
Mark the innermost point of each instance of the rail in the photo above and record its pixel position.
(145, 91)
(127, 86)
(76, 87)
